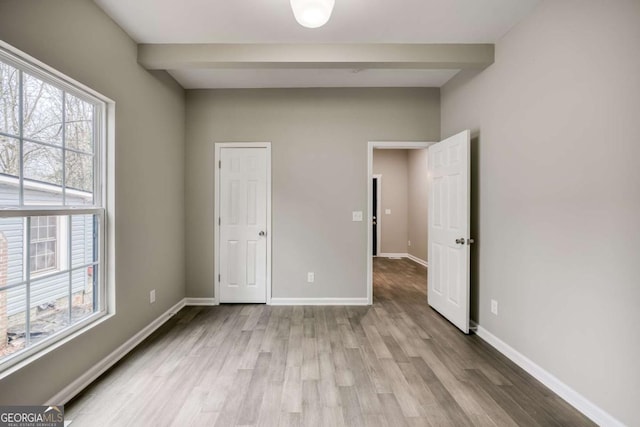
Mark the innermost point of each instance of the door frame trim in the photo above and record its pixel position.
(216, 210)
(378, 177)
(392, 145)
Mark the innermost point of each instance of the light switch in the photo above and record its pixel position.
(387, 211)
(357, 215)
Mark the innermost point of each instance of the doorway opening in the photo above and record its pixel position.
(448, 229)
(388, 235)
(376, 220)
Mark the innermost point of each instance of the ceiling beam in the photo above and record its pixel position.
(335, 56)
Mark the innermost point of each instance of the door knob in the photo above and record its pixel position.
(460, 241)
(262, 234)
(470, 241)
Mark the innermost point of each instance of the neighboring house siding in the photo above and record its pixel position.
(13, 232)
(51, 288)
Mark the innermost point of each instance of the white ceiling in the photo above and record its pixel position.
(352, 21)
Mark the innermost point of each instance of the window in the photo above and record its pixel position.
(52, 207)
(44, 244)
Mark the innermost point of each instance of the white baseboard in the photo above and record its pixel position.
(393, 255)
(418, 260)
(201, 301)
(67, 393)
(404, 255)
(319, 301)
(575, 399)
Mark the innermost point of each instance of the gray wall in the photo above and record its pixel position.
(78, 39)
(418, 201)
(319, 148)
(393, 166)
(558, 193)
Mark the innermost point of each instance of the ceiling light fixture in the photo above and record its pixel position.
(312, 13)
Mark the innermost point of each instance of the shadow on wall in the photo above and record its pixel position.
(475, 227)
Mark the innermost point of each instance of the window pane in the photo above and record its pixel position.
(79, 124)
(42, 174)
(82, 292)
(49, 305)
(13, 304)
(9, 100)
(9, 156)
(34, 265)
(9, 171)
(35, 226)
(50, 254)
(42, 163)
(11, 251)
(79, 171)
(83, 247)
(42, 112)
(52, 230)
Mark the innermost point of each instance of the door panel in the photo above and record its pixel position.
(232, 262)
(252, 255)
(243, 216)
(435, 268)
(252, 202)
(449, 229)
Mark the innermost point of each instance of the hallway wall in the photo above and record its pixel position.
(393, 165)
(418, 203)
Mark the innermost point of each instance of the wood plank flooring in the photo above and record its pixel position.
(397, 363)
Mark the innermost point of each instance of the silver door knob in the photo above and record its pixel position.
(470, 241)
(262, 234)
(460, 241)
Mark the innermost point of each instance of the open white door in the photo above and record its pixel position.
(449, 228)
(243, 225)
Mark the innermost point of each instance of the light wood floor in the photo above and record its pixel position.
(394, 364)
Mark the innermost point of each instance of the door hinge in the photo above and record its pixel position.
(218, 277)
(219, 221)
(219, 164)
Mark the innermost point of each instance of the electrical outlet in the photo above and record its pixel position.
(409, 243)
(152, 296)
(311, 277)
(494, 307)
(356, 216)
(387, 211)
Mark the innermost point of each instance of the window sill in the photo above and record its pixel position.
(24, 359)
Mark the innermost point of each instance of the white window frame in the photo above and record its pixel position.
(103, 136)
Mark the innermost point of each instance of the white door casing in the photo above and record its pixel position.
(243, 220)
(371, 146)
(449, 229)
